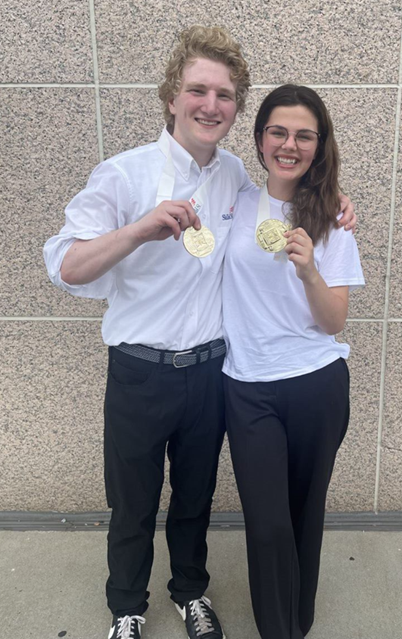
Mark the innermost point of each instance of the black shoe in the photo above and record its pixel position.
(126, 627)
(200, 619)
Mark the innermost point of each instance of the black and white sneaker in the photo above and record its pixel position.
(200, 619)
(126, 627)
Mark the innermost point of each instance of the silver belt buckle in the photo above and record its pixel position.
(182, 353)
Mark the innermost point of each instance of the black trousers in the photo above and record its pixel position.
(148, 407)
(283, 438)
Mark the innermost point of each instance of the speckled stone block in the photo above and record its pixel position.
(395, 291)
(131, 118)
(226, 496)
(306, 41)
(51, 141)
(52, 424)
(51, 433)
(44, 41)
(353, 482)
(392, 417)
(51, 436)
(390, 489)
(364, 119)
(390, 493)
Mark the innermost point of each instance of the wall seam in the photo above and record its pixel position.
(50, 319)
(388, 284)
(32, 318)
(333, 86)
(133, 85)
(48, 85)
(96, 79)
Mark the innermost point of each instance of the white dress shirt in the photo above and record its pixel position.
(268, 326)
(160, 295)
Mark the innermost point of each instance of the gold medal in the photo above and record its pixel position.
(270, 235)
(198, 243)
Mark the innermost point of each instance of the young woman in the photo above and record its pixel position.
(286, 379)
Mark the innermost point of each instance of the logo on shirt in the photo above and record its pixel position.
(196, 205)
(228, 216)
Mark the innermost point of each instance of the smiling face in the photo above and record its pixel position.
(287, 163)
(204, 109)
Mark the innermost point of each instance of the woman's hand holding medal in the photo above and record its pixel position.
(300, 251)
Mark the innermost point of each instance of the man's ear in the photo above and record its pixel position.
(172, 106)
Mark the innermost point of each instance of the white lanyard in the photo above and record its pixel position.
(264, 213)
(264, 209)
(166, 182)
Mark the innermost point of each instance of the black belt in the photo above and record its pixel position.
(180, 359)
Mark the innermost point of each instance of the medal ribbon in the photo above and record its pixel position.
(264, 213)
(166, 182)
(264, 209)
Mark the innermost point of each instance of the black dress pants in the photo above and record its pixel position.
(283, 438)
(150, 406)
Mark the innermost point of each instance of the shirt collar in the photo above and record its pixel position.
(182, 160)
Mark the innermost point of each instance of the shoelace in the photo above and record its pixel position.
(127, 626)
(199, 609)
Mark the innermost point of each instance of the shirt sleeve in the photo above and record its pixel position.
(102, 206)
(247, 184)
(340, 262)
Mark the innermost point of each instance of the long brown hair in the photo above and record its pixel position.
(315, 204)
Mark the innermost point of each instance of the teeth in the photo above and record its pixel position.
(207, 122)
(286, 160)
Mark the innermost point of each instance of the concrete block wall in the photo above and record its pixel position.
(78, 83)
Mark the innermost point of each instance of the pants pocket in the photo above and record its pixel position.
(127, 370)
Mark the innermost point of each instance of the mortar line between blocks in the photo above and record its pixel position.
(145, 85)
(56, 318)
(388, 285)
(96, 79)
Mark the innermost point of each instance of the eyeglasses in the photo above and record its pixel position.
(305, 139)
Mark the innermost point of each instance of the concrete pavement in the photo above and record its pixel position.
(52, 585)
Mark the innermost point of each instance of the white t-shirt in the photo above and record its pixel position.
(160, 295)
(268, 326)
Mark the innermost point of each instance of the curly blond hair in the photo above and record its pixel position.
(212, 43)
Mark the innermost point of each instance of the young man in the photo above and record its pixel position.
(123, 241)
